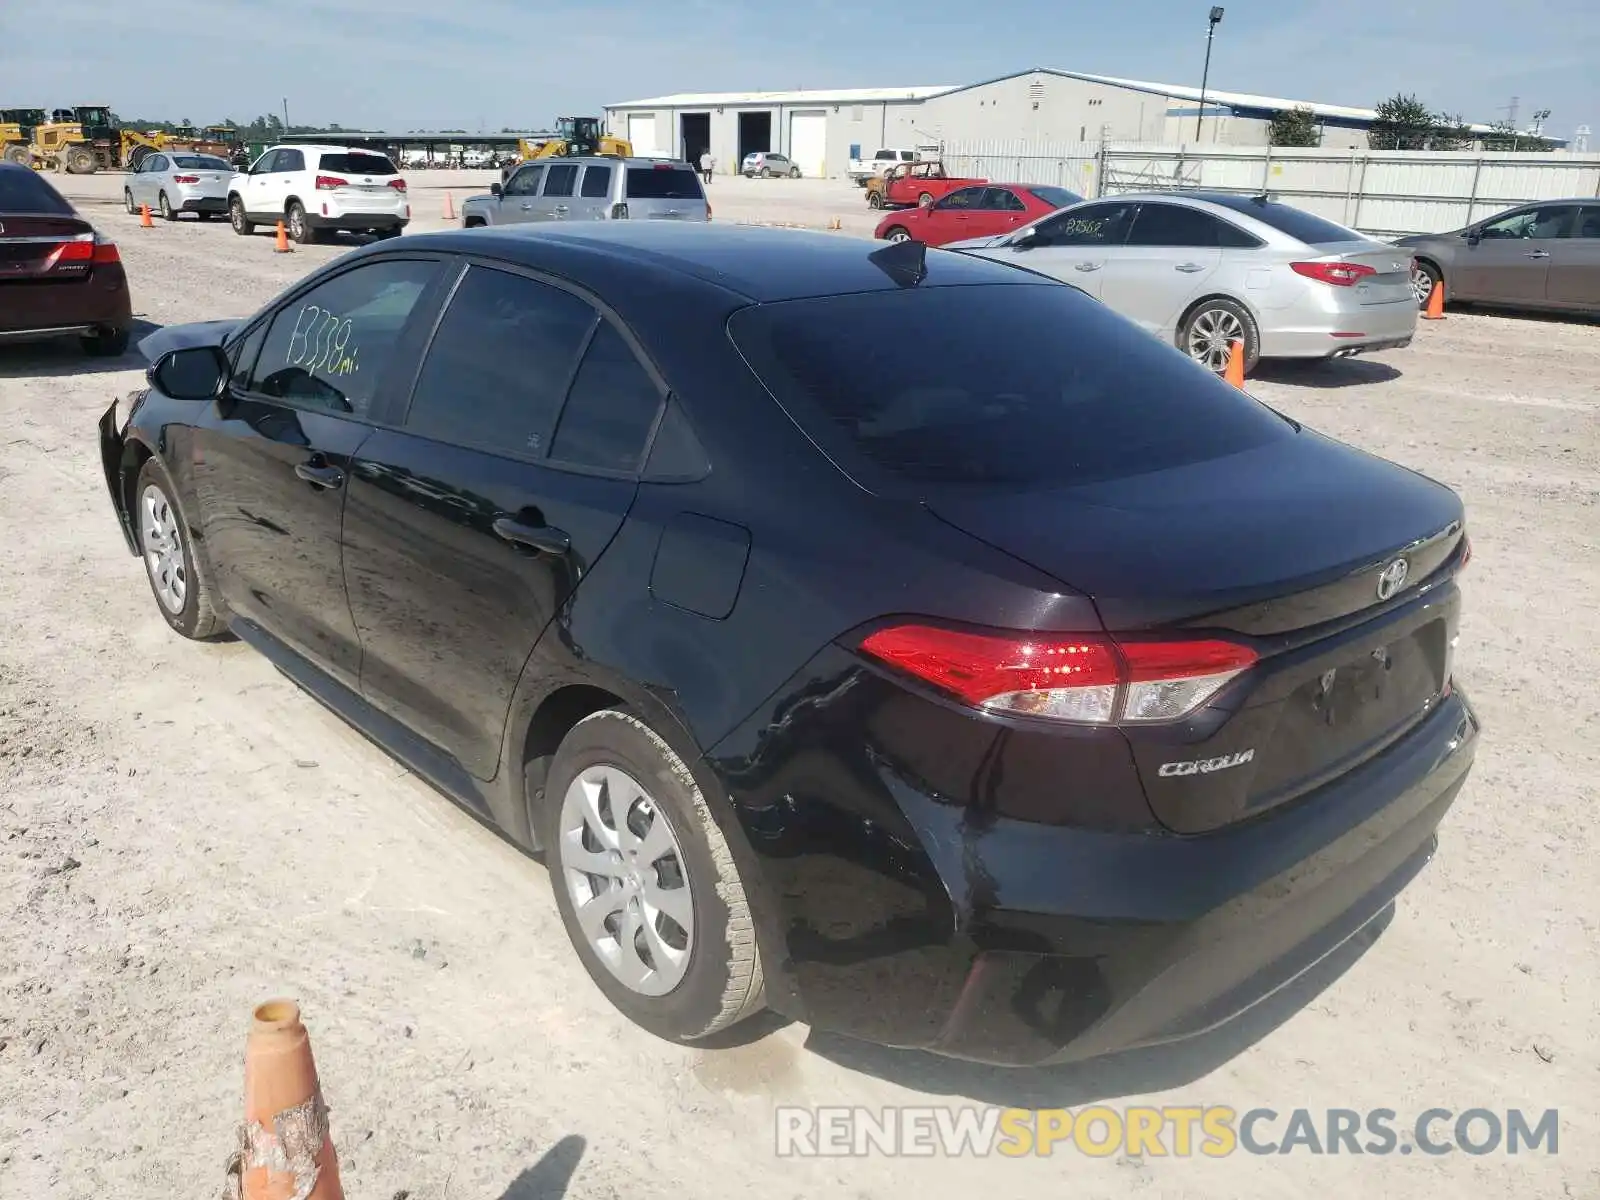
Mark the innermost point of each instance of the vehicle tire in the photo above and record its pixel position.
(78, 161)
(474, 223)
(106, 343)
(794, 172)
(897, 233)
(925, 200)
(182, 595)
(164, 206)
(137, 156)
(1423, 276)
(127, 202)
(242, 225)
(17, 153)
(765, 172)
(874, 199)
(299, 228)
(1207, 332)
(701, 971)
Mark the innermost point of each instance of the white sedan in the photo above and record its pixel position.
(178, 182)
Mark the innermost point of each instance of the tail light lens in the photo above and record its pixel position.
(186, 179)
(326, 183)
(73, 252)
(1088, 679)
(1339, 274)
(398, 185)
(106, 252)
(619, 212)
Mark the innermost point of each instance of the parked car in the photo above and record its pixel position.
(765, 163)
(592, 189)
(863, 169)
(984, 210)
(320, 189)
(58, 277)
(1123, 702)
(1538, 256)
(914, 183)
(173, 183)
(1205, 269)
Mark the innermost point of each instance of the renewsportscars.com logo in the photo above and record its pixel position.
(1213, 1131)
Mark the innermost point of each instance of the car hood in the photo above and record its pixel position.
(179, 337)
(1423, 239)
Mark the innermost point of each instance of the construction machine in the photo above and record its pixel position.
(78, 140)
(575, 137)
(217, 140)
(16, 132)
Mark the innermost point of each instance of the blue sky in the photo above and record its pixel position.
(405, 64)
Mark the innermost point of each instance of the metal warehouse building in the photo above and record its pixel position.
(823, 130)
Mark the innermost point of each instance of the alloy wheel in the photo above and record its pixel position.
(624, 869)
(899, 235)
(163, 549)
(1211, 337)
(1422, 285)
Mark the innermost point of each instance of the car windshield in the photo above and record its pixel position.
(663, 183)
(199, 162)
(1055, 197)
(1303, 226)
(356, 163)
(25, 192)
(1000, 386)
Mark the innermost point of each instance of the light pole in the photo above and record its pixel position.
(1205, 74)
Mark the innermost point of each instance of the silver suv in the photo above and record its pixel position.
(592, 189)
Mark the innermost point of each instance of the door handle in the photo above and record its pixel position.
(319, 475)
(1538, 254)
(561, 208)
(527, 208)
(1088, 266)
(1188, 268)
(536, 537)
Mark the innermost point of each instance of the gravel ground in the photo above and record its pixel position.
(183, 833)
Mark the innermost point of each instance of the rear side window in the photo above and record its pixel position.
(663, 183)
(613, 404)
(1173, 225)
(358, 164)
(596, 182)
(22, 191)
(1006, 386)
(1055, 197)
(500, 364)
(559, 180)
(290, 160)
(1311, 230)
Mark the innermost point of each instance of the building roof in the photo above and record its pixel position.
(819, 96)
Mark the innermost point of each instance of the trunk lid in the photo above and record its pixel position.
(1392, 282)
(1286, 548)
(33, 248)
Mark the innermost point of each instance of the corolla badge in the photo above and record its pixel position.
(1392, 578)
(1205, 766)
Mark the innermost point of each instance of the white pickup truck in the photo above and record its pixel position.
(863, 169)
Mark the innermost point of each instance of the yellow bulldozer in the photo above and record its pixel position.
(79, 141)
(217, 140)
(575, 137)
(16, 133)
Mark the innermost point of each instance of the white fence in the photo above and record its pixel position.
(1388, 192)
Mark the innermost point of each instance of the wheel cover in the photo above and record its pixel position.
(166, 205)
(236, 214)
(163, 549)
(1211, 336)
(623, 869)
(899, 235)
(297, 221)
(127, 200)
(1422, 285)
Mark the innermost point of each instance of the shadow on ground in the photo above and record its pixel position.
(64, 356)
(1532, 316)
(1131, 1073)
(549, 1178)
(1323, 373)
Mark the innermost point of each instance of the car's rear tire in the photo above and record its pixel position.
(164, 206)
(127, 202)
(765, 173)
(106, 343)
(651, 898)
(299, 227)
(897, 233)
(242, 225)
(874, 199)
(1423, 276)
(794, 172)
(183, 596)
(1210, 327)
(925, 200)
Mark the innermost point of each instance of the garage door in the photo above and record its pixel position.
(642, 133)
(808, 143)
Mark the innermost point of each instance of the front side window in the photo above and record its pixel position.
(1092, 225)
(1533, 223)
(329, 347)
(525, 182)
(963, 200)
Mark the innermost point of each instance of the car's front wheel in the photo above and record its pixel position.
(1424, 275)
(898, 233)
(183, 596)
(1209, 331)
(645, 882)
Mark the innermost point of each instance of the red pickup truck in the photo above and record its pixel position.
(914, 183)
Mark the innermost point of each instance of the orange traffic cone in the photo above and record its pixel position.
(1435, 310)
(282, 246)
(144, 217)
(1234, 372)
(284, 1150)
(449, 207)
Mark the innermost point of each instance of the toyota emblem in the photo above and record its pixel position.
(1392, 578)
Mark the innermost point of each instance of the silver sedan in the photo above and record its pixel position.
(178, 182)
(1202, 270)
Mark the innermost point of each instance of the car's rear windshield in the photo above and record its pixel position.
(199, 162)
(358, 164)
(663, 183)
(1285, 218)
(1056, 197)
(996, 385)
(25, 192)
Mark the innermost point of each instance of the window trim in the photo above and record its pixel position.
(603, 312)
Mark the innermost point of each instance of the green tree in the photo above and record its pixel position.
(1294, 127)
(1451, 132)
(1402, 123)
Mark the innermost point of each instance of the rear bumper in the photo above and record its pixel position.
(205, 204)
(1378, 326)
(357, 221)
(30, 311)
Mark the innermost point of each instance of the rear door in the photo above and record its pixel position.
(1511, 262)
(1170, 255)
(520, 197)
(1574, 278)
(1074, 245)
(555, 201)
(593, 202)
(1003, 211)
(470, 526)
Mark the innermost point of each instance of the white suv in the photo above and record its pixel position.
(313, 188)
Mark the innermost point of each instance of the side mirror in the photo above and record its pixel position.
(496, 190)
(191, 373)
(1024, 238)
(1473, 236)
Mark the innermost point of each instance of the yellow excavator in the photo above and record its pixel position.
(575, 137)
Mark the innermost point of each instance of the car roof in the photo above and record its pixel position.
(317, 146)
(638, 160)
(757, 264)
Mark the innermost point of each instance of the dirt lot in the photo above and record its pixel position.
(183, 833)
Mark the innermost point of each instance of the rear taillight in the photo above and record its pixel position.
(1088, 679)
(1339, 274)
(106, 252)
(326, 183)
(186, 179)
(73, 252)
(398, 185)
(619, 212)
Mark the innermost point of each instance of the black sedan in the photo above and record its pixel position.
(890, 637)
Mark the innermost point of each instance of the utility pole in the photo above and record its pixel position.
(285, 115)
(1205, 73)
